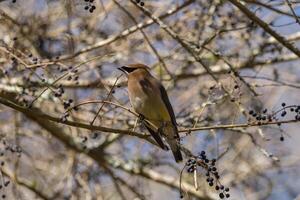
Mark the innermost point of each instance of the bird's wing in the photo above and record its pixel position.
(173, 142)
(156, 137)
(167, 103)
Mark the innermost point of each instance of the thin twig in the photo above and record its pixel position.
(265, 27)
(106, 99)
(127, 32)
(232, 126)
(145, 37)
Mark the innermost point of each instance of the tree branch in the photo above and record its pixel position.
(265, 27)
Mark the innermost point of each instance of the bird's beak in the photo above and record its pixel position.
(124, 69)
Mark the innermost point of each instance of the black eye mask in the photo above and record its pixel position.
(127, 69)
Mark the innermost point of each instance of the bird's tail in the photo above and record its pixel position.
(157, 138)
(171, 137)
(175, 148)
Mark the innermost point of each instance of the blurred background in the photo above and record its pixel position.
(65, 128)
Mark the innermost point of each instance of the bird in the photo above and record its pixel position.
(149, 99)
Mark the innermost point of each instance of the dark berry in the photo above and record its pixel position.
(270, 118)
(6, 183)
(95, 135)
(258, 118)
(265, 111)
(283, 113)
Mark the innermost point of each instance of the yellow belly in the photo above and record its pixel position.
(152, 109)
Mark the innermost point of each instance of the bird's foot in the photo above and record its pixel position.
(141, 118)
(160, 129)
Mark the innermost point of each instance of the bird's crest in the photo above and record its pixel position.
(132, 67)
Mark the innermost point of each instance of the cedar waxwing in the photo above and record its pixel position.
(149, 99)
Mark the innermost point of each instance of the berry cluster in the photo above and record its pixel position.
(295, 110)
(59, 92)
(65, 116)
(68, 103)
(10, 147)
(211, 172)
(90, 6)
(72, 73)
(264, 116)
(72, 77)
(140, 2)
(14, 63)
(85, 139)
(4, 149)
(13, 66)
(34, 60)
(261, 116)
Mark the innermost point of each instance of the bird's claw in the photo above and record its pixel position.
(141, 118)
(160, 130)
